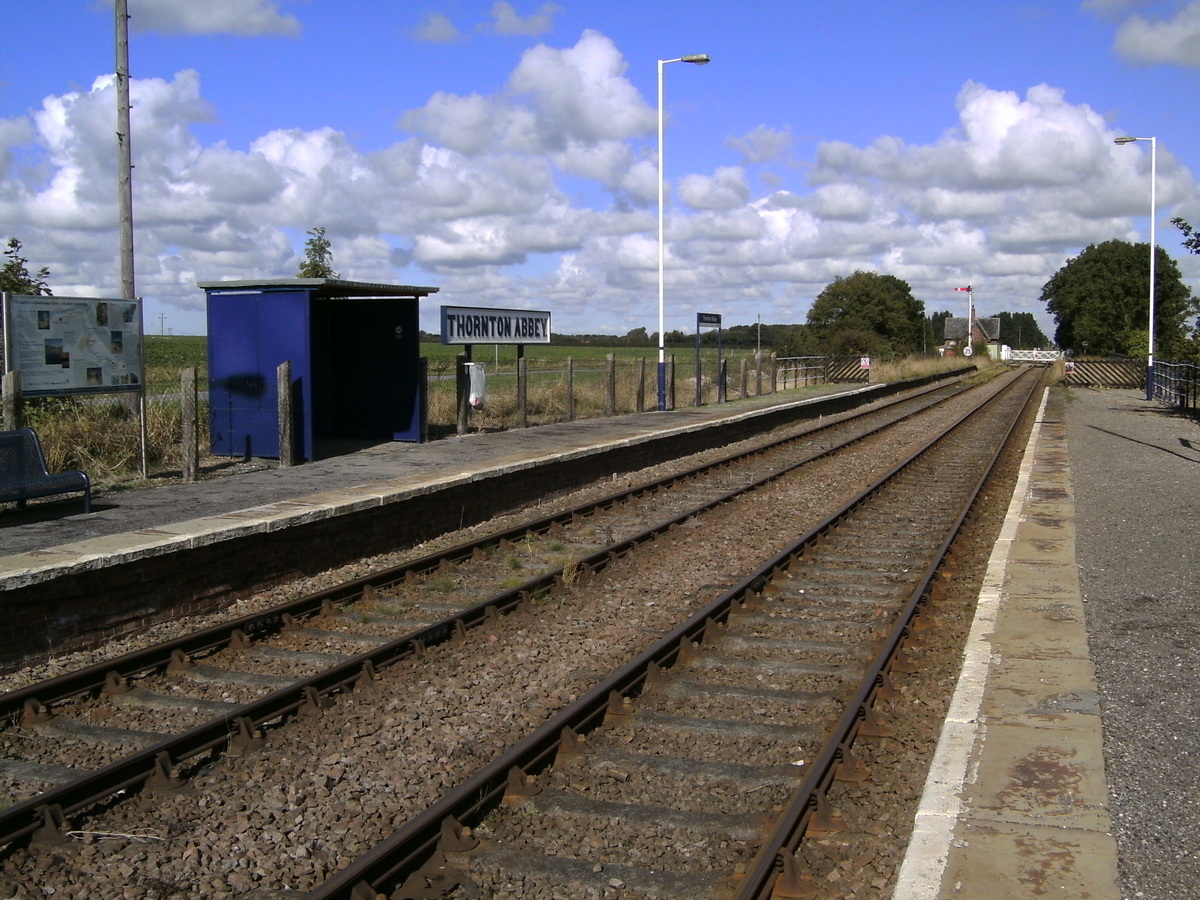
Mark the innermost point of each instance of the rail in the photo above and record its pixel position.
(42, 817)
(412, 856)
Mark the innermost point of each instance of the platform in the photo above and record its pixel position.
(1016, 804)
(47, 541)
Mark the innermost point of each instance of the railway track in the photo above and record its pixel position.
(313, 626)
(700, 768)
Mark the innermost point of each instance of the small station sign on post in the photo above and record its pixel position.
(709, 320)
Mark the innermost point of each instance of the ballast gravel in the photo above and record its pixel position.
(316, 797)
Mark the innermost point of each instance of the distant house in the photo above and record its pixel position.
(984, 332)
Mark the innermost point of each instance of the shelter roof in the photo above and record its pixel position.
(321, 287)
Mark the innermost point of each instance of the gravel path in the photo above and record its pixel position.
(1136, 470)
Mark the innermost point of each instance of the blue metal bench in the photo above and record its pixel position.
(23, 474)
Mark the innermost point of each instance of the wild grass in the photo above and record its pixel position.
(101, 436)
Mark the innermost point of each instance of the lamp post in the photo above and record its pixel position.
(1150, 321)
(698, 59)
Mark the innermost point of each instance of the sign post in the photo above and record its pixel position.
(708, 320)
(464, 326)
(970, 318)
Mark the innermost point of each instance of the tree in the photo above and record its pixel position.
(1101, 298)
(318, 257)
(935, 327)
(1022, 332)
(868, 314)
(15, 277)
(638, 337)
(1191, 239)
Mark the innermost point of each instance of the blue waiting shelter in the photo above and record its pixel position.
(355, 362)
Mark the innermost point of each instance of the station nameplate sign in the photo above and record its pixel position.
(470, 325)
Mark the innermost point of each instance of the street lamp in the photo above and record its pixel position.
(1153, 178)
(698, 59)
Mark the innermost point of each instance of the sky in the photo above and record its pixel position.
(506, 152)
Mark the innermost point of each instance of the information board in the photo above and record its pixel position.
(73, 345)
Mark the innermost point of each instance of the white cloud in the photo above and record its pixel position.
(725, 189)
(544, 195)
(506, 21)
(464, 124)
(244, 18)
(843, 201)
(1173, 41)
(581, 92)
(762, 144)
(437, 28)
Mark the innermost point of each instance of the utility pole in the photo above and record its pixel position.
(125, 192)
(124, 151)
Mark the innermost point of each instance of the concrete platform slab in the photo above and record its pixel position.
(1015, 861)
(1016, 803)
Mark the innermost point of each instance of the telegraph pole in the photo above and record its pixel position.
(124, 151)
(125, 192)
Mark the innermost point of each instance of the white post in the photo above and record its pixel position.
(1153, 207)
(697, 59)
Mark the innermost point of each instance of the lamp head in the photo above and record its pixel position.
(699, 59)
(1124, 140)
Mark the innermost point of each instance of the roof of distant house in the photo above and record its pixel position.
(956, 328)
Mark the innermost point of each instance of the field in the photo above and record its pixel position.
(167, 355)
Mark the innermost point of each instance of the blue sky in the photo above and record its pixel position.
(505, 152)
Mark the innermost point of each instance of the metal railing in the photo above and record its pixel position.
(1008, 353)
(799, 371)
(1177, 384)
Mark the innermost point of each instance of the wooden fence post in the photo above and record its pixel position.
(671, 383)
(283, 383)
(570, 389)
(461, 392)
(641, 384)
(610, 365)
(423, 399)
(12, 400)
(189, 445)
(745, 376)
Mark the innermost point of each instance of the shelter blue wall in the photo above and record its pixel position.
(356, 368)
(249, 336)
